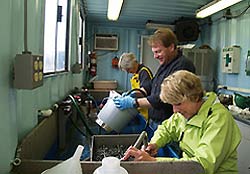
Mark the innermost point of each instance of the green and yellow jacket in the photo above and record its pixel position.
(210, 137)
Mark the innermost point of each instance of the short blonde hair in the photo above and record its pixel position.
(127, 60)
(180, 86)
(165, 36)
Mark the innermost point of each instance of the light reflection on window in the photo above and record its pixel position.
(55, 36)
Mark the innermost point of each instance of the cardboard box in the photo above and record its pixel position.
(105, 84)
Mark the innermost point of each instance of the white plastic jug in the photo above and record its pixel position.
(71, 165)
(110, 165)
(112, 118)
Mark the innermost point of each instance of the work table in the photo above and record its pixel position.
(239, 118)
(243, 149)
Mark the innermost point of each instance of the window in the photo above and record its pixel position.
(81, 44)
(56, 36)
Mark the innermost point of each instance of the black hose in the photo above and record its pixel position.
(77, 128)
(96, 105)
(93, 99)
(137, 89)
(81, 115)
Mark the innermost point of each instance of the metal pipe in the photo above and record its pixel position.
(143, 138)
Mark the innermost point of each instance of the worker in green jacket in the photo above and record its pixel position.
(204, 128)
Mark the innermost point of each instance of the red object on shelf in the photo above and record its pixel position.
(93, 63)
(115, 62)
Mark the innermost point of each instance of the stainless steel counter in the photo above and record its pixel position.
(88, 167)
(239, 118)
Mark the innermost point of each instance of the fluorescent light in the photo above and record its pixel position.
(114, 9)
(214, 7)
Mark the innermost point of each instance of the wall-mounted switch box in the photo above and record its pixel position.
(28, 71)
(231, 59)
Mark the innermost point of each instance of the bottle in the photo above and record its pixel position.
(71, 165)
(110, 165)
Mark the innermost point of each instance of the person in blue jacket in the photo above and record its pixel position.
(164, 47)
(204, 128)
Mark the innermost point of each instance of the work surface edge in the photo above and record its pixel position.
(88, 167)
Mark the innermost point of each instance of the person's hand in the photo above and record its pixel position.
(139, 155)
(151, 149)
(124, 102)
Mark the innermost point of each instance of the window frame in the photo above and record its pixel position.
(67, 40)
(81, 42)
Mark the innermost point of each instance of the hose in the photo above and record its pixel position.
(93, 99)
(144, 95)
(81, 115)
(86, 92)
(77, 128)
(137, 89)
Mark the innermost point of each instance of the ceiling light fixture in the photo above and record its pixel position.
(214, 7)
(114, 9)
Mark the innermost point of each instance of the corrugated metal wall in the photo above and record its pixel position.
(129, 41)
(19, 107)
(138, 12)
(220, 34)
(223, 33)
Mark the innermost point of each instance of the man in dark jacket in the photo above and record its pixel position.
(164, 47)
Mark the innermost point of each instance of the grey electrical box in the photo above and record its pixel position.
(205, 63)
(28, 71)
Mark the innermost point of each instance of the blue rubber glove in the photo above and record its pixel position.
(124, 94)
(132, 94)
(124, 102)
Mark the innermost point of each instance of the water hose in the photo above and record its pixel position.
(76, 127)
(92, 99)
(137, 89)
(81, 115)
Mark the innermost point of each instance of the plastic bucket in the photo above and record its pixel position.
(112, 118)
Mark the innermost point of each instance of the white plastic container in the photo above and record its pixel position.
(110, 165)
(112, 118)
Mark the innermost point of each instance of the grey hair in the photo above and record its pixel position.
(127, 60)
